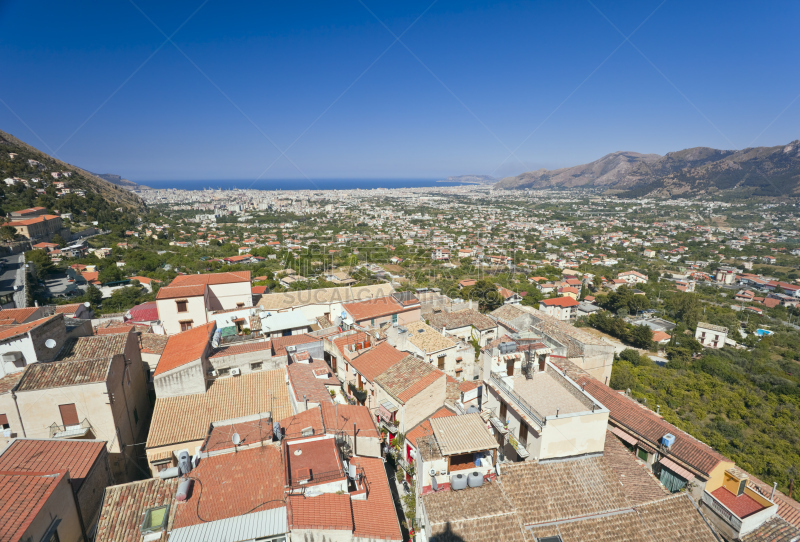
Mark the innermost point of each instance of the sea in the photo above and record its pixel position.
(299, 184)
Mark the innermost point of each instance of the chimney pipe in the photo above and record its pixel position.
(355, 451)
(557, 410)
(305, 401)
(658, 409)
(774, 487)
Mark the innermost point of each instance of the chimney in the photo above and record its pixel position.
(658, 409)
(305, 401)
(444, 331)
(774, 487)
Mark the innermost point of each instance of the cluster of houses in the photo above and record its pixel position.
(212, 413)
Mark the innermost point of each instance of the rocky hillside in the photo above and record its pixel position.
(760, 171)
(19, 166)
(119, 181)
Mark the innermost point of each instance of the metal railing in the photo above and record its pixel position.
(722, 511)
(497, 380)
(79, 429)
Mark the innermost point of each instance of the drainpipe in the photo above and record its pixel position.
(355, 451)
(16, 404)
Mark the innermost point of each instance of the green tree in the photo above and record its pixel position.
(57, 239)
(93, 295)
(110, 273)
(8, 233)
(41, 263)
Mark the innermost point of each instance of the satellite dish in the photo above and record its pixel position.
(434, 484)
(50, 343)
(87, 304)
(236, 439)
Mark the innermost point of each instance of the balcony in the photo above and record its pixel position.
(742, 513)
(82, 430)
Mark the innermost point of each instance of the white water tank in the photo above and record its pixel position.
(458, 481)
(475, 479)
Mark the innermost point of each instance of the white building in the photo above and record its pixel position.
(711, 336)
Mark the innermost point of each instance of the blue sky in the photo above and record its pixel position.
(468, 87)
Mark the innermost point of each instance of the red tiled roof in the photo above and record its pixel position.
(227, 277)
(232, 485)
(91, 276)
(20, 315)
(30, 221)
(23, 496)
(242, 348)
(373, 308)
(172, 292)
(66, 309)
(9, 381)
(293, 425)
(185, 347)
(375, 518)
(326, 511)
(559, 302)
(21, 329)
(56, 455)
(342, 417)
(258, 290)
(146, 312)
(743, 505)
(651, 427)
(307, 386)
(279, 344)
(376, 360)
(56, 374)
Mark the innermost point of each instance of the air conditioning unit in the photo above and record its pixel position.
(291, 348)
(668, 440)
(212, 373)
(236, 371)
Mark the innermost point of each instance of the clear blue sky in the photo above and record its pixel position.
(466, 84)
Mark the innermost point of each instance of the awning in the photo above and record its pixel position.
(677, 469)
(623, 435)
(386, 411)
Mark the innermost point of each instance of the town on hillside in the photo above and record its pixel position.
(428, 364)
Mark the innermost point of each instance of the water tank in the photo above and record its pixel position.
(475, 479)
(172, 472)
(668, 440)
(458, 481)
(184, 462)
(184, 488)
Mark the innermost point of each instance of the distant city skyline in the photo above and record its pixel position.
(419, 90)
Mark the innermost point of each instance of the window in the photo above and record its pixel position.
(224, 372)
(394, 318)
(69, 415)
(239, 305)
(186, 326)
(135, 415)
(155, 519)
(372, 322)
(182, 305)
(256, 366)
(440, 362)
(4, 422)
(641, 454)
(523, 434)
(503, 412)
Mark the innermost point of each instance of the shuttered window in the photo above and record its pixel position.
(4, 421)
(69, 414)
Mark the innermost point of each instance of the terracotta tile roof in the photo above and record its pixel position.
(342, 417)
(9, 381)
(352, 340)
(21, 498)
(150, 343)
(91, 276)
(187, 418)
(53, 455)
(674, 518)
(462, 434)
(20, 315)
(30, 221)
(638, 483)
(15, 331)
(788, 508)
(173, 292)
(227, 277)
(258, 290)
(306, 385)
(743, 505)
(776, 529)
(508, 312)
(377, 360)
(559, 302)
(646, 424)
(65, 309)
(428, 339)
(57, 374)
(220, 437)
(234, 484)
(115, 329)
(408, 377)
(373, 308)
(96, 346)
(559, 491)
(292, 426)
(462, 318)
(328, 511)
(243, 348)
(375, 518)
(279, 344)
(185, 347)
(659, 336)
(480, 514)
(423, 428)
(123, 506)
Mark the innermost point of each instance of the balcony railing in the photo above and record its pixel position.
(497, 380)
(70, 431)
(722, 511)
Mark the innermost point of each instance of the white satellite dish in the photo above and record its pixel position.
(236, 439)
(87, 304)
(50, 343)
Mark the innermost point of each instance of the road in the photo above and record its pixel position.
(13, 274)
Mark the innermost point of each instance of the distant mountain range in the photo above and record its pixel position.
(758, 171)
(119, 181)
